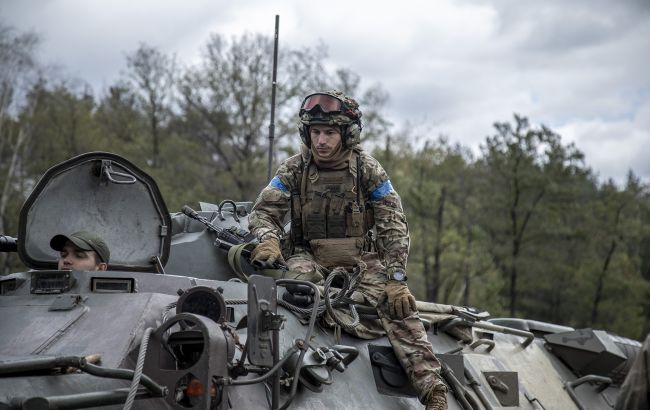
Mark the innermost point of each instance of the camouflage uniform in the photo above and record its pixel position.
(383, 211)
(635, 390)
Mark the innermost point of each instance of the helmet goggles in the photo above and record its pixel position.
(328, 104)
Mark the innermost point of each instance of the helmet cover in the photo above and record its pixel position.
(319, 108)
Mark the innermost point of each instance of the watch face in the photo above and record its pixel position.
(399, 275)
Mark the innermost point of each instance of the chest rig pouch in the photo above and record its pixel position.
(328, 214)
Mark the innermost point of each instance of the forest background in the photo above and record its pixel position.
(523, 228)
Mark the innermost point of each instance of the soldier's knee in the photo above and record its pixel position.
(310, 275)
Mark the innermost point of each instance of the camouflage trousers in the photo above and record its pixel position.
(407, 336)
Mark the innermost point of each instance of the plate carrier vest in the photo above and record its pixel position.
(330, 207)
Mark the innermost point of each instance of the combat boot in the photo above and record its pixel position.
(437, 398)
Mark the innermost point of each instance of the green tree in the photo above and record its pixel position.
(517, 163)
(616, 265)
(18, 72)
(152, 73)
(225, 106)
(64, 123)
(121, 124)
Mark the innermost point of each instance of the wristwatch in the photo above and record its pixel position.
(397, 275)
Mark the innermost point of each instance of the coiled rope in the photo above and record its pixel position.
(135, 383)
(351, 282)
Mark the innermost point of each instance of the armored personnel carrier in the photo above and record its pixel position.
(182, 321)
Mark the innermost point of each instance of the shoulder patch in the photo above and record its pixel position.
(277, 183)
(384, 189)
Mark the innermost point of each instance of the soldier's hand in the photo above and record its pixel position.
(267, 254)
(401, 303)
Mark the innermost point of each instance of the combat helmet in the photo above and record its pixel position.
(332, 108)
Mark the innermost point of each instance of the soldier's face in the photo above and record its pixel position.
(324, 139)
(74, 258)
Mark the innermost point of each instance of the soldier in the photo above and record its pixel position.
(82, 251)
(336, 193)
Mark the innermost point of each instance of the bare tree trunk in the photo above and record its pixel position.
(426, 264)
(467, 267)
(437, 250)
(513, 290)
(5, 95)
(601, 282)
(426, 272)
(72, 130)
(517, 238)
(154, 134)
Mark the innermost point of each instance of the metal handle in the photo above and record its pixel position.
(109, 173)
(234, 210)
(479, 342)
(603, 383)
(492, 327)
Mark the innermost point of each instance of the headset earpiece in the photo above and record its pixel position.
(303, 130)
(352, 135)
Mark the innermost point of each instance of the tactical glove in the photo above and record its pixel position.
(267, 254)
(401, 303)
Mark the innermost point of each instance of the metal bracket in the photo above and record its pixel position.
(262, 305)
(65, 302)
(155, 260)
(272, 321)
(505, 386)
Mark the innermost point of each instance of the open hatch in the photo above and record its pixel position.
(101, 193)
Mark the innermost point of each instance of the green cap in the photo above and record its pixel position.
(83, 240)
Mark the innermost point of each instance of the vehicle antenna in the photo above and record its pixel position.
(273, 86)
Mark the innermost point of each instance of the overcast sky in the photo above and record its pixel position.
(582, 67)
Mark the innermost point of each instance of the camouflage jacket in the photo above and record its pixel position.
(392, 236)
